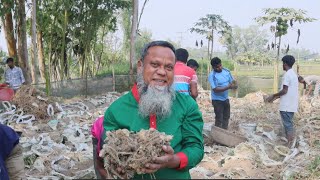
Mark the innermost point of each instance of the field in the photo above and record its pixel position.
(260, 78)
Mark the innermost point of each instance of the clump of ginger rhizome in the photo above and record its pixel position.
(131, 151)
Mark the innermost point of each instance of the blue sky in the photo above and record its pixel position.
(171, 19)
(167, 18)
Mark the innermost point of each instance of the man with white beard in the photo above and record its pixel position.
(153, 103)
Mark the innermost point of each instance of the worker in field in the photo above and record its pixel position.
(193, 64)
(153, 103)
(221, 81)
(289, 95)
(13, 75)
(185, 78)
(309, 82)
(11, 158)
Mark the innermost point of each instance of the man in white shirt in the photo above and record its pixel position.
(13, 75)
(310, 81)
(289, 96)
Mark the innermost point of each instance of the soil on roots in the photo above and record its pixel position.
(131, 151)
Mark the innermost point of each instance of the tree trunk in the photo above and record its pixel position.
(276, 70)
(34, 61)
(102, 49)
(40, 56)
(9, 33)
(22, 41)
(82, 64)
(211, 52)
(135, 4)
(63, 59)
(209, 48)
(32, 67)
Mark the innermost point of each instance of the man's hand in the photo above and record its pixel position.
(100, 167)
(169, 160)
(270, 98)
(233, 85)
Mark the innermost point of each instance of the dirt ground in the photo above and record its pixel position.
(61, 145)
(265, 154)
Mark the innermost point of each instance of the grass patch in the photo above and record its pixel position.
(120, 68)
(314, 167)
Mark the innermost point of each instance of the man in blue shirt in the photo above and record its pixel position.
(13, 75)
(221, 81)
(11, 159)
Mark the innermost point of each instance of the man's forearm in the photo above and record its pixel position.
(220, 89)
(100, 167)
(280, 93)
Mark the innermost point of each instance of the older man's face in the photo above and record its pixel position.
(158, 66)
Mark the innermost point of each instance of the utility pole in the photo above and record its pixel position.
(180, 38)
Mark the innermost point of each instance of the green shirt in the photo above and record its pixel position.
(185, 124)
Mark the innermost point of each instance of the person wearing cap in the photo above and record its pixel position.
(13, 75)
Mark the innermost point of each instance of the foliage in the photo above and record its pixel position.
(120, 68)
(245, 86)
(304, 54)
(71, 28)
(126, 27)
(243, 40)
(209, 26)
(212, 22)
(6, 6)
(281, 18)
(254, 58)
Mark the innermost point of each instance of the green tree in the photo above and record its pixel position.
(210, 26)
(247, 45)
(247, 39)
(6, 8)
(280, 20)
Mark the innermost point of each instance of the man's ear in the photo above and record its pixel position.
(139, 65)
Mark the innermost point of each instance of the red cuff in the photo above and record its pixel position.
(183, 160)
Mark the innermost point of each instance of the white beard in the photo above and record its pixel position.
(154, 99)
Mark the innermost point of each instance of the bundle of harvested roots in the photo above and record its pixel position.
(131, 151)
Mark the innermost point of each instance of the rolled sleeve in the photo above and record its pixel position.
(192, 144)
